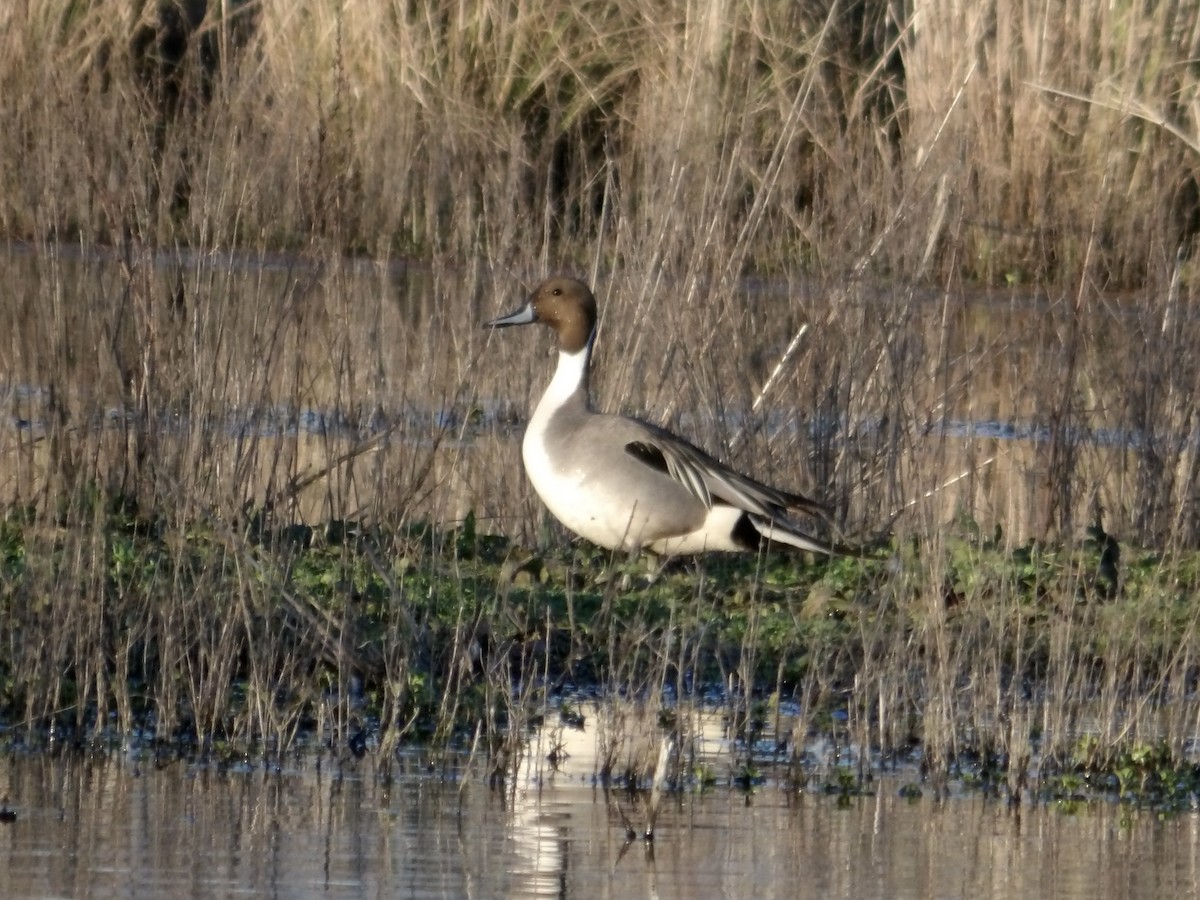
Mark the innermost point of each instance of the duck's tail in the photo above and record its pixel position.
(781, 531)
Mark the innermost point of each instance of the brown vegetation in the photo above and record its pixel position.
(189, 194)
(1034, 142)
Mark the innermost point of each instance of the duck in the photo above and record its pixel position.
(628, 485)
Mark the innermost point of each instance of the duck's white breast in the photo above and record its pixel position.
(583, 503)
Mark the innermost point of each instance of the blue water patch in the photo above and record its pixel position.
(465, 423)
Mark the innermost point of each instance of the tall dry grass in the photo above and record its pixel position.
(1036, 142)
(726, 175)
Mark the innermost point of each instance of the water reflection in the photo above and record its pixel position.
(103, 826)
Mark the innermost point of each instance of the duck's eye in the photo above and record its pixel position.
(557, 292)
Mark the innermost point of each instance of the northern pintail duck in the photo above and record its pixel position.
(626, 484)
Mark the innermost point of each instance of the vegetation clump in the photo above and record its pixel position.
(780, 131)
(217, 636)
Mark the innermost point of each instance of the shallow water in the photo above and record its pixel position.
(109, 826)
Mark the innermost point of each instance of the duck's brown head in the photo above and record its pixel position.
(564, 304)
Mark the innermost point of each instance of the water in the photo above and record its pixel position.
(109, 827)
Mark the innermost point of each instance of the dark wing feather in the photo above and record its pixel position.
(709, 480)
(665, 458)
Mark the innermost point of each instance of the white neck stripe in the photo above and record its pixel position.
(570, 374)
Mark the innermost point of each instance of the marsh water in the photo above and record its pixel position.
(112, 826)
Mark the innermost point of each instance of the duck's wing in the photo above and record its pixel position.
(710, 481)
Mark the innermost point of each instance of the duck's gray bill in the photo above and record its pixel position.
(523, 316)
